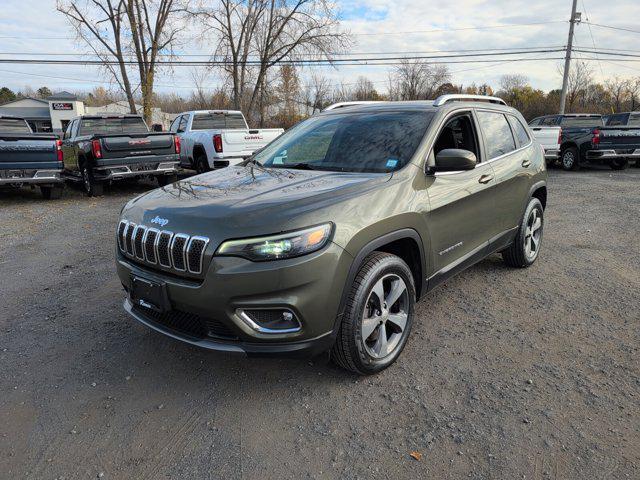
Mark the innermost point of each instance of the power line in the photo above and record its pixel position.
(593, 40)
(303, 61)
(611, 27)
(487, 27)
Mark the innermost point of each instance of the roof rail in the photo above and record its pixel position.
(459, 97)
(349, 104)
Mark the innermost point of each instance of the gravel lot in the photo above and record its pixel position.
(508, 374)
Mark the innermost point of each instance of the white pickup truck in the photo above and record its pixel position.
(550, 138)
(213, 139)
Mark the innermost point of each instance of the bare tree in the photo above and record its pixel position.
(119, 30)
(255, 35)
(317, 93)
(580, 78)
(363, 90)
(618, 89)
(634, 92)
(416, 80)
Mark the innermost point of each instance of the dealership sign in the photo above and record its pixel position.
(62, 106)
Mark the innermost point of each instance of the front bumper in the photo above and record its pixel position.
(29, 177)
(613, 154)
(310, 286)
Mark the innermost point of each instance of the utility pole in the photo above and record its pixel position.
(575, 18)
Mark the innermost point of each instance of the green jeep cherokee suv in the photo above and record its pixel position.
(327, 238)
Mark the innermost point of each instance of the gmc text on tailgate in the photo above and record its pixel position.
(103, 148)
(29, 159)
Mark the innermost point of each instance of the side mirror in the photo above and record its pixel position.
(454, 159)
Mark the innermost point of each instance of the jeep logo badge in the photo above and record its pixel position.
(160, 221)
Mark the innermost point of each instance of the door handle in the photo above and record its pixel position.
(485, 178)
(526, 163)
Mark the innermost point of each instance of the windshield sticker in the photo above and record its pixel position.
(391, 163)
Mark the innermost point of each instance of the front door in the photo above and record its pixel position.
(461, 213)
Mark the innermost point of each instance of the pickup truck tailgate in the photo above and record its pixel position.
(29, 151)
(244, 142)
(619, 138)
(136, 145)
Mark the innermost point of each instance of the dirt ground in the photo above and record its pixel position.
(508, 374)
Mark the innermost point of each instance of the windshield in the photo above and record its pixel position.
(110, 126)
(14, 125)
(218, 121)
(582, 122)
(350, 142)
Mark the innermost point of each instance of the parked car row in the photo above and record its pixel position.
(577, 139)
(99, 149)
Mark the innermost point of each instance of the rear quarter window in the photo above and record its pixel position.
(522, 136)
(634, 120)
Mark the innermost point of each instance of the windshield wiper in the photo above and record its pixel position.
(297, 166)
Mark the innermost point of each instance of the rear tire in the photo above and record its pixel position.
(619, 164)
(525, 248)
(164, 180)
(202, 164)
(92, 187)
(51, 192)
(570, 159)
(378, 315)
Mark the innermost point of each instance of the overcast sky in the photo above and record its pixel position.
(376, 25)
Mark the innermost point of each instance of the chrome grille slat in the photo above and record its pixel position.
(178, 250)
(129, 239)
(138, 236)
(175, 251)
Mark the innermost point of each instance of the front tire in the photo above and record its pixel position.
(525, 248)
(378, 315)
(570, 159)
(92, 187)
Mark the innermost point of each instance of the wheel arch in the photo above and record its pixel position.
(406, 244)
(539, 191)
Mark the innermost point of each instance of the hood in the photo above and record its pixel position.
(251, 199)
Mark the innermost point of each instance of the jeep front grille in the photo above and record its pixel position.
(176, 251)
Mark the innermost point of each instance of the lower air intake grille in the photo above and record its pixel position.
(186, 323)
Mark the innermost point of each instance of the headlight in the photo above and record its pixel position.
(276, 247)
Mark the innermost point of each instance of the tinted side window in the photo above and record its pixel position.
(520, 131)
(535, 122)
(549, 122)
(617, 120)
(497, 134)
(182, 127)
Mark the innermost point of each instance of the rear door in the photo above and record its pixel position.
(462, 206)
(510, 151)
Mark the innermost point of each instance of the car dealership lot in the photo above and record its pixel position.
(507, 373)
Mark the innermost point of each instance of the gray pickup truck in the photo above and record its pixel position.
(28, 158)
(103, 148)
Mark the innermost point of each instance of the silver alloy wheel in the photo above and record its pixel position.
(533, 234)
(568, 159)
(385, 316)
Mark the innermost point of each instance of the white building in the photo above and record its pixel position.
(54, 113)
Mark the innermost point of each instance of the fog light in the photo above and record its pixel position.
(276, 320)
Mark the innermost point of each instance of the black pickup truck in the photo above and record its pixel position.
(28, 158)
(586, 139)
(626, 119)
(102, 148)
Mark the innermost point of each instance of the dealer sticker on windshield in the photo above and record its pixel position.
(391, 163)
